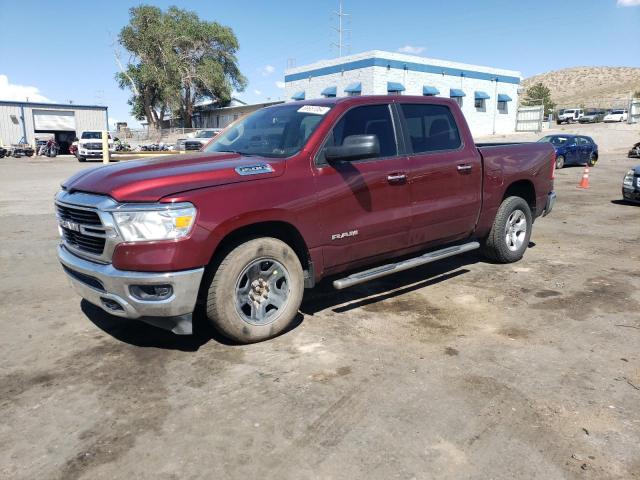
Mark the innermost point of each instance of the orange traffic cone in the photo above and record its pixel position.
(584, 183)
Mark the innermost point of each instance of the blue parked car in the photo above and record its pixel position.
(573, 149)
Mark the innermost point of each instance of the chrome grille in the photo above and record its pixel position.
(88, 217)
(93, 146)
(82, 229)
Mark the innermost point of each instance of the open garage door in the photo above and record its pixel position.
(529, 119)
(54, 120)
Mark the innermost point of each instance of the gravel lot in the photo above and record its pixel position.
(462, 369)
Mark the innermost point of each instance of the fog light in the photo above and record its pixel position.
(151, 293)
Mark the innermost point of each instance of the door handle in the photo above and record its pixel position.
(397, 178)
(464, 168)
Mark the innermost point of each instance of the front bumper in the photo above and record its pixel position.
(631, 194)
(109, 288)
(551, 201)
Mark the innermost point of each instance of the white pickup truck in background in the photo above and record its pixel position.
(90, 145)
(570, 115)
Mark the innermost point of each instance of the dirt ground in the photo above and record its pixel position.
(462, 369)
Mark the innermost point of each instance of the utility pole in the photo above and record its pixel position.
(340, 29)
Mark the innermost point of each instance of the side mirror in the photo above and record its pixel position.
(354, 147)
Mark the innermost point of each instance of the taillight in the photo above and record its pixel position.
(553, 165)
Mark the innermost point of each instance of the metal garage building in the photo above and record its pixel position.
(43, 120)
(488, 96)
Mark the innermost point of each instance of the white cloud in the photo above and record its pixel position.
(257, 92)
(280, 84)
(13, 91)
(411, 49)
(628, 3)
(268, 70)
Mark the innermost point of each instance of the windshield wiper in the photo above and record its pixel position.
(236, 151)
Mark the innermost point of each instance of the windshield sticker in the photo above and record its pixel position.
(257, 169)
(314, 109)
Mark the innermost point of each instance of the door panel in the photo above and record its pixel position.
(364, 205)
(445, 177)
(363, 214)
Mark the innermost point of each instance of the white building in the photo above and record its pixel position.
(30, 121)
(488, 96)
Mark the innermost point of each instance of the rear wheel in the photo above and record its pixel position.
(511, 231)
(256, 290)
(560, 161)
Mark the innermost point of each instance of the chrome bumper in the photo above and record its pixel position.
(551, 201)
(108, 288)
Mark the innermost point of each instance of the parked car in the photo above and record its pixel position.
(617, 116)
(289, 195)
(572, 149)
(201, 138)
(631, 185)
(3, 152)
(90, 145)
(569, 115)
(592, 116)
(635, 151)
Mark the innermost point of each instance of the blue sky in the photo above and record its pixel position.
(63, 51)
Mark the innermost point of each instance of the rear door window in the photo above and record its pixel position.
(431, 128)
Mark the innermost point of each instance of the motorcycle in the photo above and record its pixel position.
(49, 149)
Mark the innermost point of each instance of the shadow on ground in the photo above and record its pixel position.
(323, 296)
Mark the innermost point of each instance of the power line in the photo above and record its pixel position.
(341, 16)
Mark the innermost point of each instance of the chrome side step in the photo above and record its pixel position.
(390, 268)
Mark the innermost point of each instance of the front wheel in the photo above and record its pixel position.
(256, 290)
(81, 159)
(511, 231)
(593, 159)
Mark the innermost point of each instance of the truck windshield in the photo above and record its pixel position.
(92, 135)
(277, 132)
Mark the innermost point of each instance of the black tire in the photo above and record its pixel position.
(495, 246)
(593, 159)
(560, 161)
(229, 310)
(81, 159)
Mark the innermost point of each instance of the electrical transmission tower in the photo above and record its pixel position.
(341, 16)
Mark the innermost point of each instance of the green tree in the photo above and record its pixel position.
(177, 59)
(539, 94)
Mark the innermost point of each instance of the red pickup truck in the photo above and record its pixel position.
(354, 188)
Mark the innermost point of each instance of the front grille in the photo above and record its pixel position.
(86, 279)
(90, 222)
(93, 146)
(192, 146)
(77, 215)
(83, 242)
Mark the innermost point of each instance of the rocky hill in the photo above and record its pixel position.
(589, 86)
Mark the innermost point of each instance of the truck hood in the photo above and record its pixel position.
(151, 179)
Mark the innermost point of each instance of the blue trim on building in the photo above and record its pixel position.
(399, 65)
(430, 91)
(503, 97)
(395, 87)
(355, 87)
(480, 95)
(50, 105)
(456, 92)
(330, 92)
(298, 95)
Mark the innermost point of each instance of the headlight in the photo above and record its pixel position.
(628, 179)
(159, 222)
